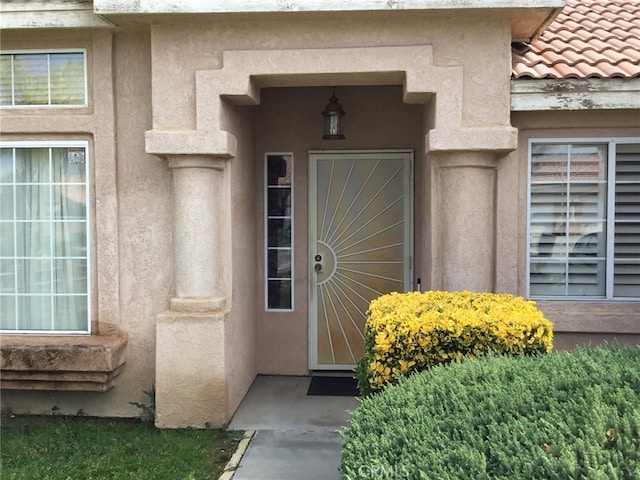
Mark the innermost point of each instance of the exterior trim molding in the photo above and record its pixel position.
(48, 14)
(615, 317)
(241, 6)
(575, 94)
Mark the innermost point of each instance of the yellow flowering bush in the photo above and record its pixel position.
(407, 332)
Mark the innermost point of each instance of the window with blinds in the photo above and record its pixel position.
(584, 219)
(626, 249)
(43, 79)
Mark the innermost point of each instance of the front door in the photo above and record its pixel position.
(360, 245)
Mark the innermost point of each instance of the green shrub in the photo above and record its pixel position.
(568, 415)
(407, 332)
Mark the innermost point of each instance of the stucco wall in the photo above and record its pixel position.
(145, 221)
(480, 41)
(130, 208)
(240, 335)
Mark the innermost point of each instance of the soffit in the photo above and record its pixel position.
(588, 39)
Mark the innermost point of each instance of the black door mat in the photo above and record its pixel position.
(333, 386)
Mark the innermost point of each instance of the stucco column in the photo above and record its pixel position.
(190, 337)
(197, 254)
(466, 204)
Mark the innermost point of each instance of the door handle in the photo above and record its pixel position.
(319, 262)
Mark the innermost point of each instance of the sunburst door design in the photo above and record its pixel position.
(360, 246)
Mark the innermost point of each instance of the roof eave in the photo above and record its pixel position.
(528, 17)
(123, 7)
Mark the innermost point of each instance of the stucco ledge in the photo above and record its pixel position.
(163, 143)
(491, 139)
(72, 363)
(621, 318)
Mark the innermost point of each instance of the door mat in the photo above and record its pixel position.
(333, 386)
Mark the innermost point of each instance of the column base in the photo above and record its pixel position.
(197, 304)
(190, 370)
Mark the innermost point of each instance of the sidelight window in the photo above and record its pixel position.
(279, 231)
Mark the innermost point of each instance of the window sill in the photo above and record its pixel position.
(72, 363)
(592, 316)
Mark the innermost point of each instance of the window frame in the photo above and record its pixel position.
(85, 78)
(266, 231)
(611, 143)
(88, 229)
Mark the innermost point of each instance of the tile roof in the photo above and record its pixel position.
(588, 39)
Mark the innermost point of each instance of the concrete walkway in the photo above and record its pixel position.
(295, 434)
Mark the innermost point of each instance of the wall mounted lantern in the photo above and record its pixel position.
(333, 119)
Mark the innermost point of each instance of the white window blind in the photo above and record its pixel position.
(584, 220)
(627, 221)
(49, 79)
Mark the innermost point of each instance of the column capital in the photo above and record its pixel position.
(500, 140)
(197, 161)
(205, 141)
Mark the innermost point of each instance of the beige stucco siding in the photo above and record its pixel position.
(479, 42)
(240, 238)
(130, 207)
(144, 213)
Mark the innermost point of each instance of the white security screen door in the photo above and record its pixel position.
(360, 245)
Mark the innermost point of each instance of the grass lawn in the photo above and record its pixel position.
(82, 448)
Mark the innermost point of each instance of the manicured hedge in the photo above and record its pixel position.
(407, 332)
(567, 415)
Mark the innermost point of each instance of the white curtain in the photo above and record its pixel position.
(49, 228)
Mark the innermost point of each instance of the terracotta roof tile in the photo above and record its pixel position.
(588, 39)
